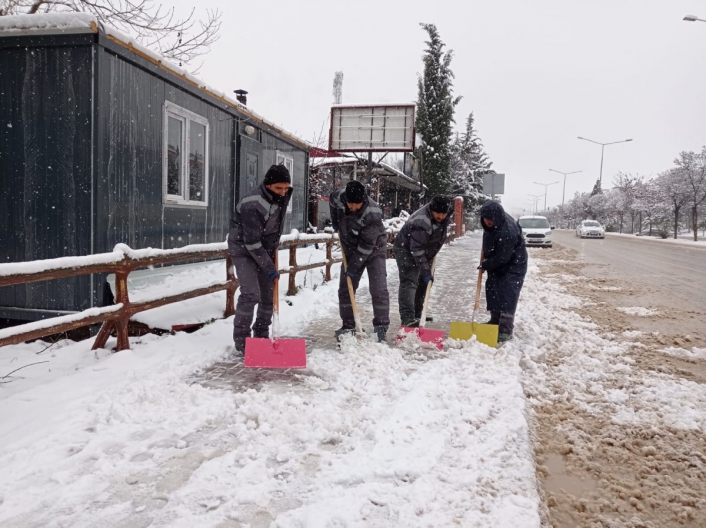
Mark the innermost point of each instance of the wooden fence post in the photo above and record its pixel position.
(121, 296)
(458, 216)
(230, 290)
(292, 274)
(329, 258)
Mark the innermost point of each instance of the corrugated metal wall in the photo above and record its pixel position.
(45, 168)
(49, 143)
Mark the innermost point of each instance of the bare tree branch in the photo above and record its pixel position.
(8, 375)
(151, 24)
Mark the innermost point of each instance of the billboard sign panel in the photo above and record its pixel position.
(372, 128)
(493, 184)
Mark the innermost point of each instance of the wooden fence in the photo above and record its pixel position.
(124, 260)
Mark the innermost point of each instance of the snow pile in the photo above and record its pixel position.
(638, 311)
(695, 352)
(394, 225)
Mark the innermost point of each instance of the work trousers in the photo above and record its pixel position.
(412, 289)
(255, 289)
(504, 320)
(377, 277)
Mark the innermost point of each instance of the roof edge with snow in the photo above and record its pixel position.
(76, 23)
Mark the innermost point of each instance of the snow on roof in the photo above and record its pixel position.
(57, 23)
(406, 103)
(50, 23)
(399, 173)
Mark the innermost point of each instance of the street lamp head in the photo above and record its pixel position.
(628, 140)
(690, 18)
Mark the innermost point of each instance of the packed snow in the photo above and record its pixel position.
(639, 311)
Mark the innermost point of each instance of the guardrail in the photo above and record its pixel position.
(123, 260)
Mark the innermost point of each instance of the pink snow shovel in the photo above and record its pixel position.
(424, 334)
(275, 352)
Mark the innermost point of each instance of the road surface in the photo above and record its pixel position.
(675, 273)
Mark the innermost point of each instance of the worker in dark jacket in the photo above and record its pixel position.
(358, 221)
(416, 245)
(255, 229)
(505, 260)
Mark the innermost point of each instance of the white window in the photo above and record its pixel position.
(287, 161)
(185, 157)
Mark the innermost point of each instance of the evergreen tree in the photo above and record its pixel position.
(469, 163)
(435, 109)
(597, 188)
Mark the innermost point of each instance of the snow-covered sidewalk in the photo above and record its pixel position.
(370, 435)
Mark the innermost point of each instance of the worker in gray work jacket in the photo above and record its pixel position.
(416, 245)
(358, 221)
(255, 229)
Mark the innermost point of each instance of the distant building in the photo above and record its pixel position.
(103, 142)
(392, 188)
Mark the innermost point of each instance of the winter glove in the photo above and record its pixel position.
(353, 275)
(274, 275)
(427, 278)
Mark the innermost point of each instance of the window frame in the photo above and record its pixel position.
(186, 117)
(287, 158)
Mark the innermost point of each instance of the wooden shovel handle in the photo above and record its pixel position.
(351, 293)
(275, 300)
(478, 287)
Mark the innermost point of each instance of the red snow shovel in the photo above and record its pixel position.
(425, 335)
(275, 352)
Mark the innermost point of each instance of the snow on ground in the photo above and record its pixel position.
(370, 435)
(639, 311)
(681, 241)
(682, 352)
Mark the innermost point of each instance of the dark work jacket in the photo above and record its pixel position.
(256, 226)
(422, 237)
(362, 233)
(504, 258)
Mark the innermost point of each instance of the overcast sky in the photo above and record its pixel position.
(535, 73)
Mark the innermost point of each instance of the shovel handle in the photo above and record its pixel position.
(275, 299)
(351, 292)
(423, 318)
(478, 287)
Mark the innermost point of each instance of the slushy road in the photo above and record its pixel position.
(675, 272)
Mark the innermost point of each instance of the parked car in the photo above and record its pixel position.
(590, 229)
(536, 231)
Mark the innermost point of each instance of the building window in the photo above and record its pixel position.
(287, 161)
(185, 157)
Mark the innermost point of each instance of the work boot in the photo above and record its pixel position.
(262, 334)
(412, 323)
(503, 337)
(381, 333)
(342, 332)
(239, 346)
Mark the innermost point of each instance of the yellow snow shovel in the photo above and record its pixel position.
(485, 333)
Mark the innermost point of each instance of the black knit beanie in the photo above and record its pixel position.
(440, 204)
(355, 192)
(277, 174)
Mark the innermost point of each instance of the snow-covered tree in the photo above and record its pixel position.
(674, 192)
(692, 169)
(469, 163)
(435, 111)
(628, 184)
(181, 39)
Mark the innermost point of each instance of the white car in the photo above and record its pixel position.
(590, 229)
(536, 230)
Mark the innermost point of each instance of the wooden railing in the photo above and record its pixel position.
(124, 260)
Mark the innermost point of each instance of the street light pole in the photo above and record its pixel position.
(600, 178)
(534, 205)
(546, 185)
(563, 193)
